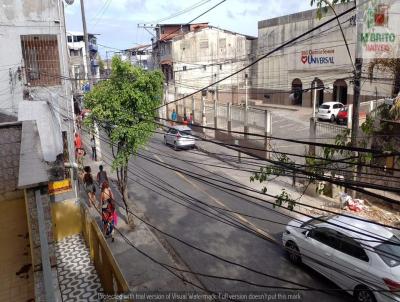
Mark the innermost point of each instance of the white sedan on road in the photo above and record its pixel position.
(361, 257)
(179, 137)
(329, 111)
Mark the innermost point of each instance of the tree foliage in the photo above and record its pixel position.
(122, 106)
(390, 66)
(323, 5)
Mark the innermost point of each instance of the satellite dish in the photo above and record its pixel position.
(69, 2)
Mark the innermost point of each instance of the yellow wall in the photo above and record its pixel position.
(67, 219)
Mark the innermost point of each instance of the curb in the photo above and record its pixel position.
(275, 107)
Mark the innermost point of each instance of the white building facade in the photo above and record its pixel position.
(203, 56)
(77, 55)
(320, 58)
(36, 84)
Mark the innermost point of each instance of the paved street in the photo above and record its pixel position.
(165, 196)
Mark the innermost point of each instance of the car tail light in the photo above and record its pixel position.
(393, 286)
(178, 135)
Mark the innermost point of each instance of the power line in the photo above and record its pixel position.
(286, 281)
(266, 55)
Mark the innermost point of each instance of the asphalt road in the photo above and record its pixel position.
(165, 196)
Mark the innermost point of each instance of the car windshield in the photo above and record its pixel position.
(186, 132)
(315, 221)
(324, 107)
(389, 251)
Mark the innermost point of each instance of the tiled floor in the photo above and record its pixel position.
(16, 277)
(78, 278)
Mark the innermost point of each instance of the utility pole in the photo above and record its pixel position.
(246, 90)
(357, 80)
(85, 34)
(314, 85)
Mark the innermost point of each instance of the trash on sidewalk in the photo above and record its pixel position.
(348, 203)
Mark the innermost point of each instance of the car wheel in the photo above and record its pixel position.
(363, 294)
(332, 118)
(293, 252)
(175, 146)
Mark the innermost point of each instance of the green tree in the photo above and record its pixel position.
(323, 5)
(122, 106)
(391, 67)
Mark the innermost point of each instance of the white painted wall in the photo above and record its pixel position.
(32, 17)
(209, 55)
(28, 17)
(279, 70)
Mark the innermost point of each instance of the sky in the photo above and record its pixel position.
(116, 21)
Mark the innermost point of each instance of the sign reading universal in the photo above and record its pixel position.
(380, 29)
(318, 56)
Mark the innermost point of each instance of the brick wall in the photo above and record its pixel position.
(10, 143)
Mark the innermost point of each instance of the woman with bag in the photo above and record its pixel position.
(108, 212)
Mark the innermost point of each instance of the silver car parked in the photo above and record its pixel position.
(179, 137)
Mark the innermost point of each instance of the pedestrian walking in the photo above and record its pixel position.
(77, 142)
(79, 121)
(107, 210)
(94, 151)
(101, 176)
(174, 117)
(90, 188)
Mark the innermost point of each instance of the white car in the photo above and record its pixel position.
(179, 137)
(329, 111)
(359, 264)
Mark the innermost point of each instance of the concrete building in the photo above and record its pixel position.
(162, 45)
(77, 54)
(203, 54)
(35, 145)
(140, 56)
(319, 58)
(207, 55)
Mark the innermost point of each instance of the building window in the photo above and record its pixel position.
(222, 43)
(204, 43)
(78, 38)
(239, 45)
(75, 52)
(184, 68)
(69, 39)
(220, 66)
(41, 60)
(204, 67)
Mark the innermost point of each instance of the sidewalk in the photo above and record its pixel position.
(310, 197)
(140, 272)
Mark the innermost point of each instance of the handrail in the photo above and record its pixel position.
(104, 261)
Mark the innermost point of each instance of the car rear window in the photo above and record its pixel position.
(389, 251)
(186, 132)
(324, 107)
